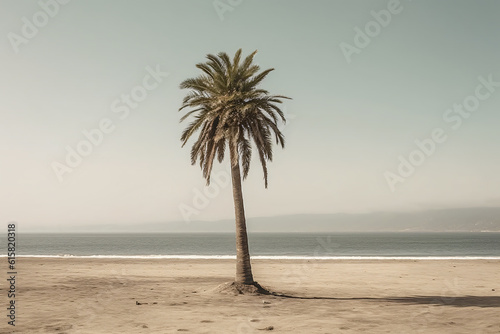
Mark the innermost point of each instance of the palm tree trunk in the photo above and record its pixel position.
(243, 267)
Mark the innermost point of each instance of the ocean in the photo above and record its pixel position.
(263, 245)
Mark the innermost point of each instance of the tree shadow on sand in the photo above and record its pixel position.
(454, 301)
(462, 301)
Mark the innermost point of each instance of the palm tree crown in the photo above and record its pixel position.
(228, 107)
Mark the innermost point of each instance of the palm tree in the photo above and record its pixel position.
(229, 109)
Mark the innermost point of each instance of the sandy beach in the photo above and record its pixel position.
(72, 295)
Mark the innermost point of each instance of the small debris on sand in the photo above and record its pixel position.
(268, 328)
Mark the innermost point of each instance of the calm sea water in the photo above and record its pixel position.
(343, 245)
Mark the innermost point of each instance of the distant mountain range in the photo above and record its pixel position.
(446, 220)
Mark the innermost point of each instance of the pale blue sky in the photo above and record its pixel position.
(351, 121)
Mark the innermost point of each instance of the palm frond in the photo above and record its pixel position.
(229, 109)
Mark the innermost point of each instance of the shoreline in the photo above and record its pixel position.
(264, 257)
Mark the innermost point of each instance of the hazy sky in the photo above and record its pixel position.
(367, 78)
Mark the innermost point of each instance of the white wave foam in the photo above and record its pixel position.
(261, 257)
